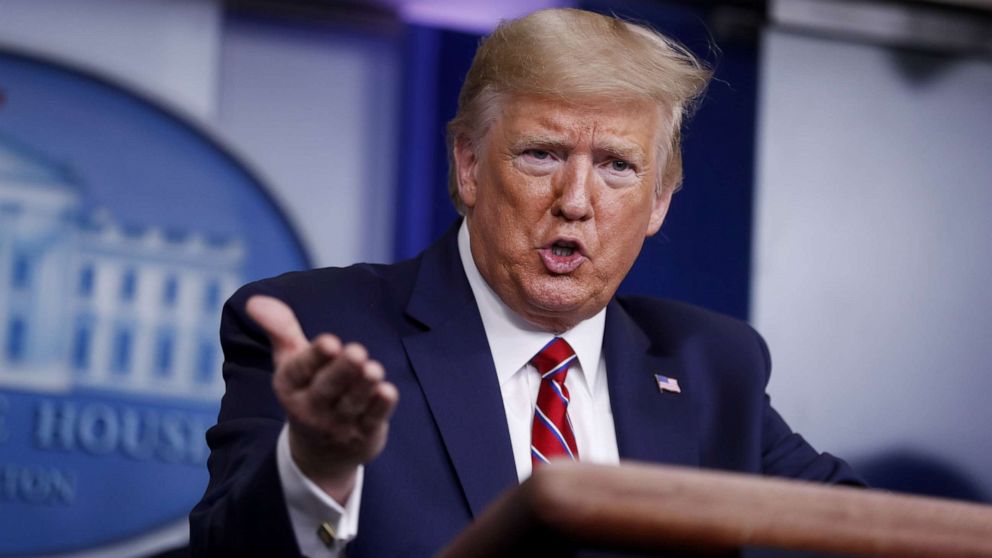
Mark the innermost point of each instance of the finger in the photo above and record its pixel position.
(355, 397)
(382, 402)
(279, 323)
(330, 383)
(298, 370)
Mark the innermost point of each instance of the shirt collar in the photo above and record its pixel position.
(514, 341)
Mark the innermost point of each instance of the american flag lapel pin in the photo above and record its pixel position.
(665, 383)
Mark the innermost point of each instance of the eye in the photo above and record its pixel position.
(619, 165)
(536, 161)
(538, 154)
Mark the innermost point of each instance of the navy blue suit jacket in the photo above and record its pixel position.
(448, 454)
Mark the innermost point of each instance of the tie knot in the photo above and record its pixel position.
(554, 359)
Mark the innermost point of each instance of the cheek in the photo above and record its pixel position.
(621, 215)
(519, 205)
(623, 224)
(506, 224)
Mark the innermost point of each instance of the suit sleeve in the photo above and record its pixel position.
(785, 453)
(243, 512)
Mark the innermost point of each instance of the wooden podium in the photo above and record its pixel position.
(650, 509)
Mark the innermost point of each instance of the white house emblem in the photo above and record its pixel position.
(122, 232)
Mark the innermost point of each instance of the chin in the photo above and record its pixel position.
(555, 300)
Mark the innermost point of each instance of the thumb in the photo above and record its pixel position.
(279, 323)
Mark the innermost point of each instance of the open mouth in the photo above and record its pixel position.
(563, 256)
(563, 248)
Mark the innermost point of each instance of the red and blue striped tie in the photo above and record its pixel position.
(551, 434)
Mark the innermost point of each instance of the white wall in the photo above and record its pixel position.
(872, 268)
(315, 112)
(165, 48)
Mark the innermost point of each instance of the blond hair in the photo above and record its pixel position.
(575, 55)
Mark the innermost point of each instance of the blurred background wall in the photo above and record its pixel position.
(837, 183)
(873, 249)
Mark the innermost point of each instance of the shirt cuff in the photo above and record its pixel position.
(312, 511)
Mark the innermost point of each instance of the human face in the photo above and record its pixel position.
(559, 199)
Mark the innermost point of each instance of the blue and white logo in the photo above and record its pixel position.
(122, 231)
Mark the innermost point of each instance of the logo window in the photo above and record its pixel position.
(164, 348)
(81, 347)
(206, 363)
(87, 278)
(21, 278)
(170, 291)
(17, 333)
(129, 285)
(122, 351)
(211, 299)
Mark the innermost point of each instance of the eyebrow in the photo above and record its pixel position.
(620, 149)
(543, 140)
(625, 150)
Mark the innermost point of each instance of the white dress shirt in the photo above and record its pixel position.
(512, 343)
(310, 507)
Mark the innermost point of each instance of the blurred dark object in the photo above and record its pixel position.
(915, 473)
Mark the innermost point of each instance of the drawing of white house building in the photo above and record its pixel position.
(88, 301)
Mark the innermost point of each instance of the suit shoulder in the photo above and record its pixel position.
(354, 302)
(318, 283)
(735, 355)
(681, 318)
(673, 326)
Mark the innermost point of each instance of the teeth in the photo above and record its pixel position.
(562, 250)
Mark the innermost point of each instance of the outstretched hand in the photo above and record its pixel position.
(336, 398)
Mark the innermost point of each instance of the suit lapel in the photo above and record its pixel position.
(452, 362)
(651, 425)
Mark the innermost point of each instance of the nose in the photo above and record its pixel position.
(574, 191)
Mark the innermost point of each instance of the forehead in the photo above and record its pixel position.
(636, 122)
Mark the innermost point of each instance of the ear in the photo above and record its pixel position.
(466, 163)
(659, 210)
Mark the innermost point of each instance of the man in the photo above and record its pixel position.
(505, 338)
